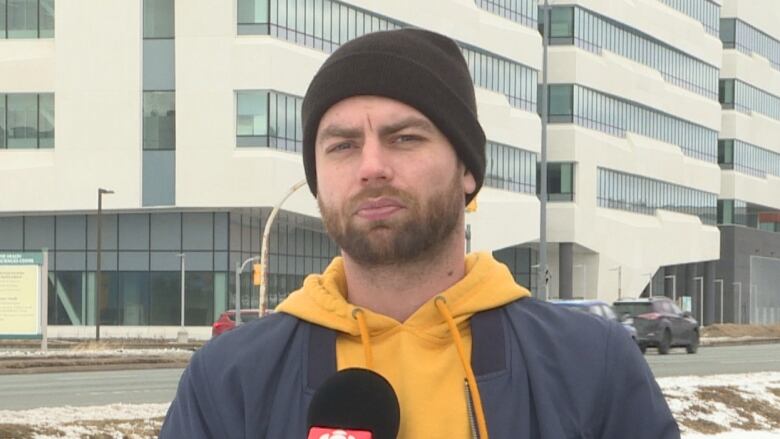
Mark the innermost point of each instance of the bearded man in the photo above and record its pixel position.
(393, 151)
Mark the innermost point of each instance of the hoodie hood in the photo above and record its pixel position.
(323, 299)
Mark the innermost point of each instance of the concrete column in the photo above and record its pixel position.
(709, 293)
(565, 269)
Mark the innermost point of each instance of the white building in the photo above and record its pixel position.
(189, 114)
(634, 122)
(664, 170)
(749, 153)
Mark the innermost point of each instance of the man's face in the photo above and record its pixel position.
(390, 186)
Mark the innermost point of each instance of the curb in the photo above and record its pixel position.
(707, 343)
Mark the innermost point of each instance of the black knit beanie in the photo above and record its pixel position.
(422, 69)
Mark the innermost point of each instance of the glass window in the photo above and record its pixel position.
(560, 181)
(253, 11)
(46, 120)
(561, 102)
(562, 25)
(22, 18)
(199, 303)
(46, 19)
(2, 20)
(728, 32)
(252, 113)
(3, 131)
(158, 18)
(22, 116)
(165, 298)
(726, 151)
(159, 120)
(166, 231)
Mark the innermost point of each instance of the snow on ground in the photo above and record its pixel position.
(87, 353)
(742, 406)
(740, 434)
(732, 404)
(61, 415)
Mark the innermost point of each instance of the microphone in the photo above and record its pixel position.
(354, 404)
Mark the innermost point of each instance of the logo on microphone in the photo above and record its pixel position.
(334, 433)
(338, 434)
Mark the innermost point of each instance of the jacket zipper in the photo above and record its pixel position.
(470, 411)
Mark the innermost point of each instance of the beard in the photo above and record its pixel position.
(419, 233)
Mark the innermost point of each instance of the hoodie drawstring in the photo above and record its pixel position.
(357, 314)
(441, 305)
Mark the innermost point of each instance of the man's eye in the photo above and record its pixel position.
(403, 138)
(340, 146)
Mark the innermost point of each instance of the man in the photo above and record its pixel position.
(393, 151)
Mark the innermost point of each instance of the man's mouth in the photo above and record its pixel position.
(378, 208)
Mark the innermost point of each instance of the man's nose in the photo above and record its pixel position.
(374, 161)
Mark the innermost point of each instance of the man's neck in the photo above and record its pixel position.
(397, 291)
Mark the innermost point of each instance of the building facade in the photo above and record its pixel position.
(749, 156)
(189, 113)
(663, 152)
(634, 119)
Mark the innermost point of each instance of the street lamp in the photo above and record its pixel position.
(264, 243)
(739, 300)
(542, 271)
(701, 298)
(182, 336)
(97, 269)
(721, 298)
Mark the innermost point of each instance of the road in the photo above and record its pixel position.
(87, 388)
(716, 360)
(159, 385)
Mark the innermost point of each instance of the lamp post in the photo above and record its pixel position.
(701, 298)
(542, 272)
(739, 300)
(101, 191)
(182, 336)
(674, 286)
(721, 298)
(264, 243)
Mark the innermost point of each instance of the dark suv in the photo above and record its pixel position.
(660, 323)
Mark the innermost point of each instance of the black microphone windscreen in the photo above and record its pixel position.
(356, 399)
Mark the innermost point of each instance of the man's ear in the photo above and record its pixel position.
(469, 182)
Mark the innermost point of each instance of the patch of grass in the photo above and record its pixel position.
(746, 408)
(21, 431)
(703, 426)
(16, 431)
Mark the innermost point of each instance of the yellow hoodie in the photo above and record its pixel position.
(419, 357)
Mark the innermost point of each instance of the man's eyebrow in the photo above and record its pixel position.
(338, 131)
(409, 122)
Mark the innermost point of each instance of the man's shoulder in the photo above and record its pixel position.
(258, 340)
(545, 321)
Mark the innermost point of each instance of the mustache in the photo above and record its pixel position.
(377, 192)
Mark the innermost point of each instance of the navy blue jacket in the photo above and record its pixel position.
(544, 372)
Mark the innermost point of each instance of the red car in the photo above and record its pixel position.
(227, 320)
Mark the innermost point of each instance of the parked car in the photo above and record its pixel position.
(227, 320)
(660, 323)
(597, 308)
